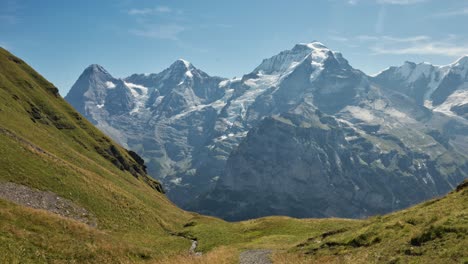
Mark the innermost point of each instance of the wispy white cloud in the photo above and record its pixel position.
(429, 48)
(386, 38)
(149, 11)
(213, 25)
(152, 23)
(449, 46)
(163, 9)
(387, 2)
(382, 13)
(143, 11)
(366, 38)
(164, 22)
(222, 25)
(452, 13)
(159, 31)
(411, 39)
(401, 2)
(338, 38)
(380, 23)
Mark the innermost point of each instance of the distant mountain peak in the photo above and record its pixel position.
(314, 52)
(181, 69)
(187, 64)
(410, 63)
(96, 68)
(311, 45)
(462, 61)
(181, 64)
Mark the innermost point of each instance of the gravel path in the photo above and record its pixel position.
(257, 256)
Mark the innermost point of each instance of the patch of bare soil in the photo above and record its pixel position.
(23, 195)
(257, 256)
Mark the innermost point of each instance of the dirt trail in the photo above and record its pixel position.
(256, 256)
(49, 201)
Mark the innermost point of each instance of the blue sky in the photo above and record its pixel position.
(225, 38)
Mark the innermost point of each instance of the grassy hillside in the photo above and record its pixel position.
(433, 232)
(46, 145)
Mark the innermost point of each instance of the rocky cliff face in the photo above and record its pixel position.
(95, 89)
(318, 166)
(165, 117)
(303, 134)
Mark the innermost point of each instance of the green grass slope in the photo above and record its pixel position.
(45, 144)
(432, 232)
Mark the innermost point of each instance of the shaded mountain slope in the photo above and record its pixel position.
(318, 166)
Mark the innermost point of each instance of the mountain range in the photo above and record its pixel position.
(69, 193)
(304, 134)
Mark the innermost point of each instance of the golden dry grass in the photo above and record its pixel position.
(297, 258)
(220, 255)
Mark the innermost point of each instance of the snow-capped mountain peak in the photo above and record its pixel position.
(314, 45)
(186, 63)
(95, 68)
(436, 87)
(96, 74)
(96, 92)
(412, 71)
(314, 53)
(100, 78)
(181, 69)
(461, 61)
(460, 67)
(181, 64)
